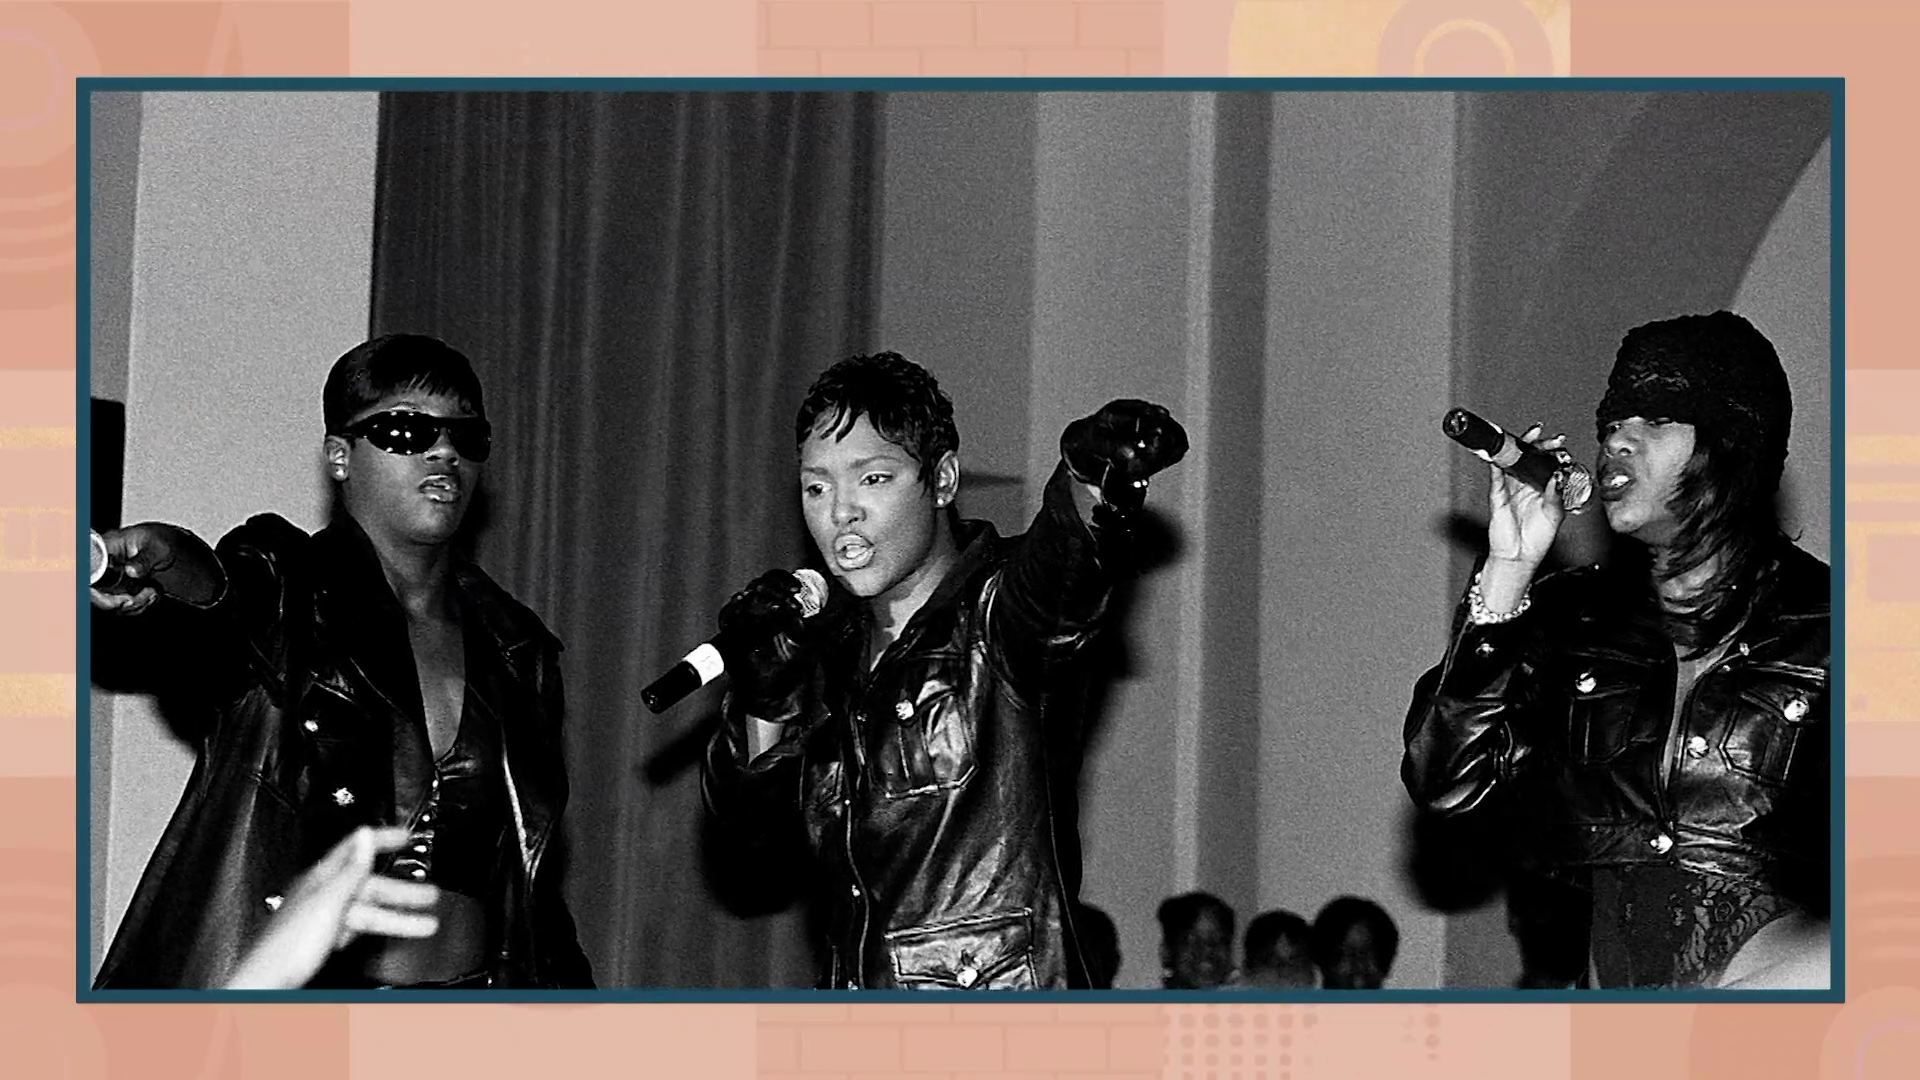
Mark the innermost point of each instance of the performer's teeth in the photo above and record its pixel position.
(853, 552)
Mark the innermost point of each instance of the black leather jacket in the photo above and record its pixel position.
(1565, 717)
(302, 679)
(936, 795)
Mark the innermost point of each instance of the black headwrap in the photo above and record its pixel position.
(1712, 371)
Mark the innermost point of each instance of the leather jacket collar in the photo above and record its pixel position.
(354, 603)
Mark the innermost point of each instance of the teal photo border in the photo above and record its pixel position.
(1833, 86)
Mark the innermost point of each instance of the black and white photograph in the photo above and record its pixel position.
(1237, 537)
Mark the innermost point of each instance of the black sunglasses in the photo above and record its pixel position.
(400, 432)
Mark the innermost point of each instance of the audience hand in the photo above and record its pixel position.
(335, 901)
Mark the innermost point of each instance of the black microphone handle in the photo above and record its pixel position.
(1472, 432)
(679, 681)
(687, 676)
(1532, 465)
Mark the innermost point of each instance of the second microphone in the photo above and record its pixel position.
(705, 663)
(1529, 463)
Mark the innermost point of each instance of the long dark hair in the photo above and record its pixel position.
(1725, 508)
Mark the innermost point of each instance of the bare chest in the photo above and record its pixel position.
(439, 656)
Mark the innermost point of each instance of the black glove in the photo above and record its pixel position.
(152, 560)
(763, 641)
(1119, 447)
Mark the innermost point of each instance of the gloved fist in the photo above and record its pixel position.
(764, 644)
(1119, 447)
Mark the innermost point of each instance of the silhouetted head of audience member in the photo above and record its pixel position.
(1099, 945)
(1196, 942)
(1279, 952)
(1354, 942)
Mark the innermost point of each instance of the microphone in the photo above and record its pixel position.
(1525, 462)
(107, 573)
(705, 663)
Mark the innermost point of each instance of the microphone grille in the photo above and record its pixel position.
(98, 553)
(1576, 487)
(813, 591)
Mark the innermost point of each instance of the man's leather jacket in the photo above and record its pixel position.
(935, 796)
(301, 683)
(1564, 717)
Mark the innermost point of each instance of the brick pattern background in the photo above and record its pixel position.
(45, 1034)
(37, 538)
(934, 1041)
(961, 37)
(1883, 550)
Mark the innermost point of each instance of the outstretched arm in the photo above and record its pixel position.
(1048, 599)
(151, 560)
(205, 623)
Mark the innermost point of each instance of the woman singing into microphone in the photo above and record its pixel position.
(1653, 735)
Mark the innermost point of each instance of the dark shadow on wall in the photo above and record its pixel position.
(1582, 216)
(1111, 657)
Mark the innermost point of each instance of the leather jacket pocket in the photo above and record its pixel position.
(330, 769)
(1778, 708)
(1601, 694)
(980, 952)
(924, 729)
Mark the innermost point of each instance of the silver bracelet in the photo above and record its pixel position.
(1480, 614)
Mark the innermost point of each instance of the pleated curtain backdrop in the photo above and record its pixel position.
(647, 283)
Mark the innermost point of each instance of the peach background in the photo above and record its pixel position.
(44, 46)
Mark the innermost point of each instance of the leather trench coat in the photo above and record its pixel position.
(935, 797)
(301, 685)
(1565, 718)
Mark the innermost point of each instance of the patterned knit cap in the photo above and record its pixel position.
(1712, 371)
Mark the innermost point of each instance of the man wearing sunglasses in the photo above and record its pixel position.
(366, 675)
